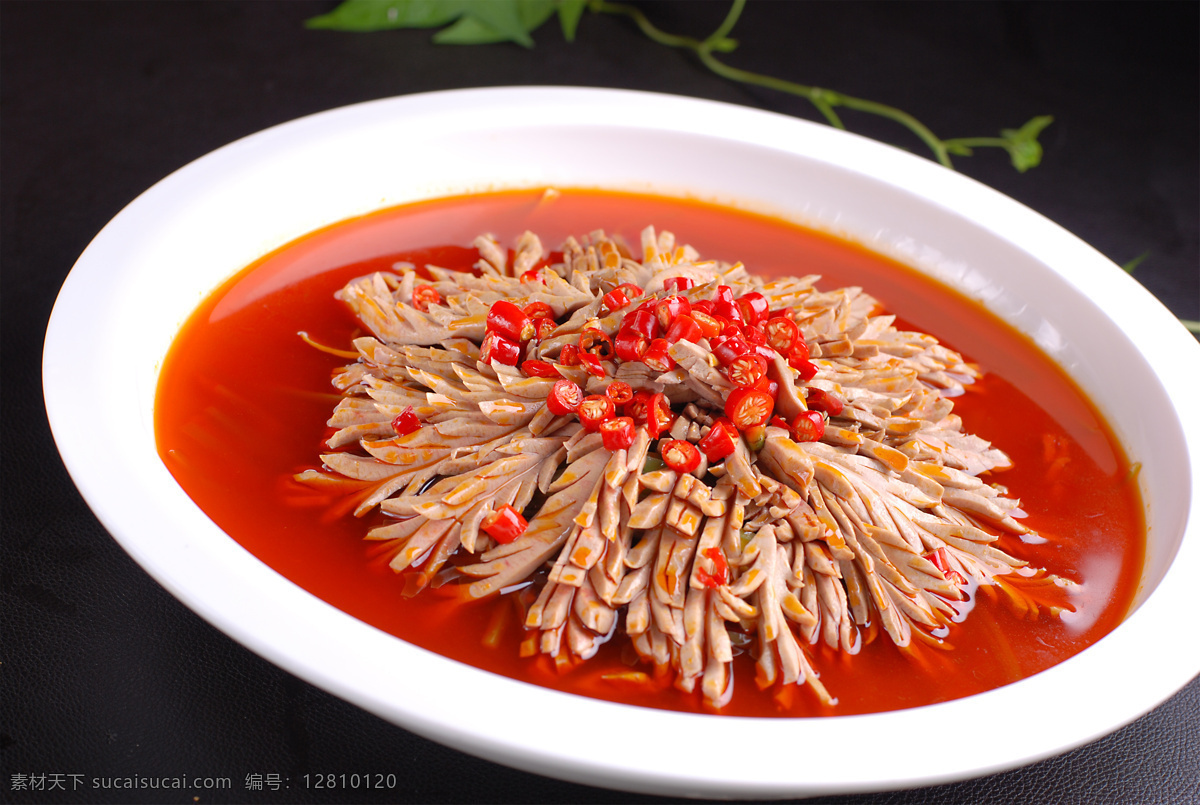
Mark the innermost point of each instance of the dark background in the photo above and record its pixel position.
(104, 674)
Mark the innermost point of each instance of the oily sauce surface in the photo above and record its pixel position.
(242, 404)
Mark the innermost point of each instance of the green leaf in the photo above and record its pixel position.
(569, 13)
(383, 15)
(488, 21)
(1132, 265)
(1022, 144)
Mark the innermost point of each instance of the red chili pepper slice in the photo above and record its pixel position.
(709, 324)
(808, 369)
(508, 320)
(678, 283)
(425, 295)
(406, 422)
(498, 348)
(569, 355)
(684, 328)
(754, 336)
(504, 524)
(643, 322)
(746, 370)
(619, 392)
(746, 407)
(703, 305)
(657, 357)
(565, 396)
(638, 407)
(630, 290)
(781, 333)
(723, 295)
(821, 400)
(592, 364)
(727, 348)
(629, 345)
(659, 416)
(754, 308)
(543, 328)
(595, 341)
(799, 350)
(617, 433)
(615, 300)
(540, 369)
(538, 310)
(679, 455)
(809, 426)
(533, 275)
(667, 310)
(594, 410)
(720, 441)
(720, 575)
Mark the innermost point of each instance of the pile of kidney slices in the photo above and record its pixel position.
(709, 461)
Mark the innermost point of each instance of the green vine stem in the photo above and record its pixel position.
(1020, 143)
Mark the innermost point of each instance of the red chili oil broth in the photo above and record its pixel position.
(242, 404)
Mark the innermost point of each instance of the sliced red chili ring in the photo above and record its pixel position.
(537, 368)
(727, 348)
(728, 311)
(641, 321)
(723, 294)
(508, 320)
(425, 295)
(595, 341)
(533, 275)
(703, 305)
(615, 299)
(720, 575)
(538, 310)
(747, 407)
(617, 433)
(781, 333)
(799, 350)
(619, 392)
(629, 345)
(808, 369)
(720, 441)
(504, 524)
(679, 455)
(406, 422)
(569, 355)
(657, 356)
(594, 410)
(667, 310)
(684, 328)
(678, 283)
(630, 290)
(746, 370)
(496, 347)
(543, 328)
(809, 426)
(638, 407)
(709, 325)
(659, 416)
(593, 364)
(821, 400)
(938, 558)
(754, 307)
(565, 396)
(754, 336)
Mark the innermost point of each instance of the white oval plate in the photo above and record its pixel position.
(147, 270)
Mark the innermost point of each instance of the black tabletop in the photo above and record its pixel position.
(106, 676)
